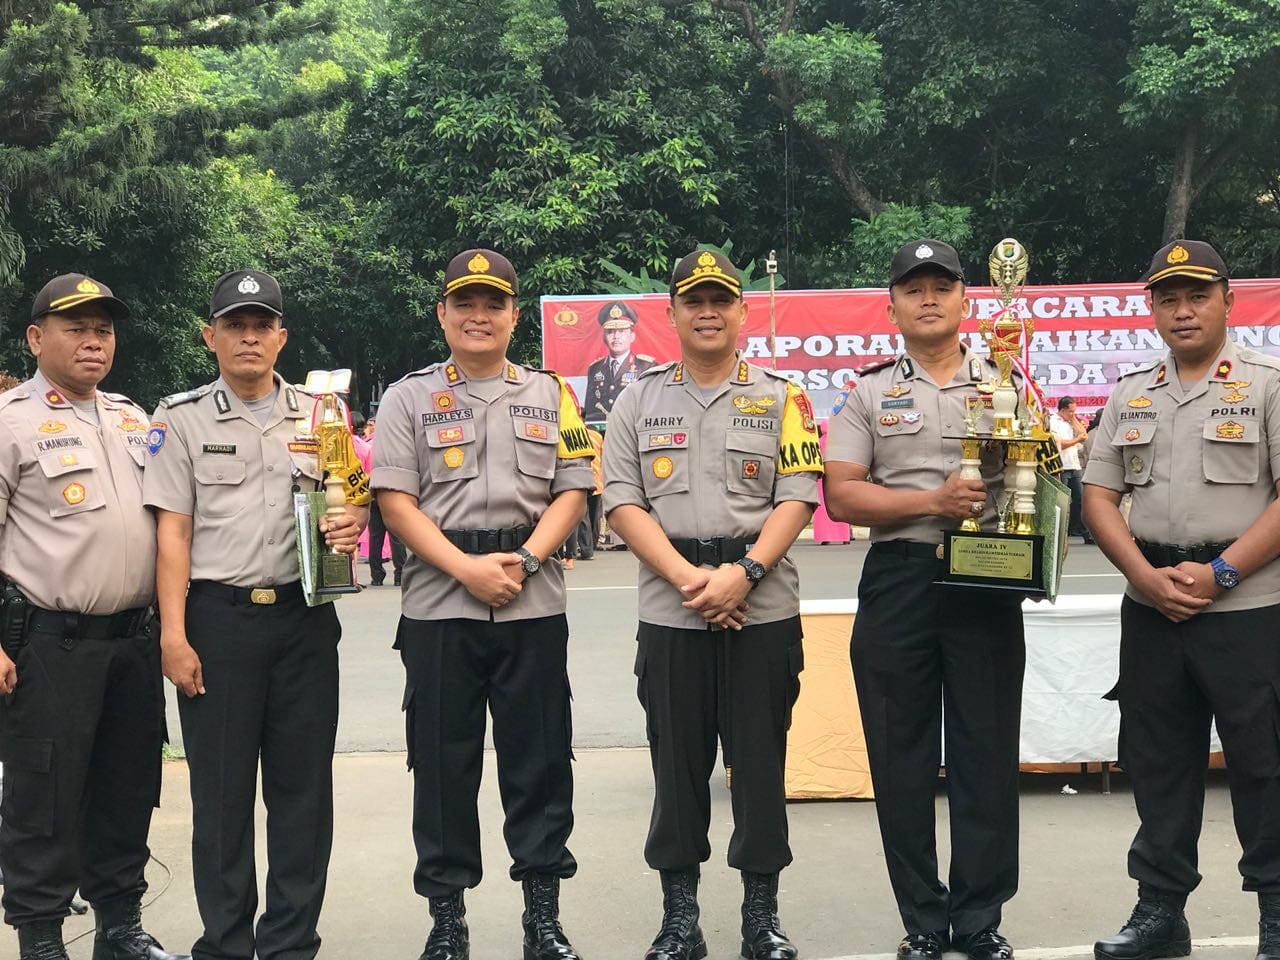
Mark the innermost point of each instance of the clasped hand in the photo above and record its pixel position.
(719, 594)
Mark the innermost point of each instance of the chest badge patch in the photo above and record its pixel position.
(130, 424)
(73, 493)
(443, 400)
(889, 420)
(897, 390)
(1235, 396)
(449, 435)
(68, 459)
(750, 469)
(911, 417)
(536, 430)
(52, 426)
(1139, 402)
(1132, 435)
(663, 468)
(679, 439)
(1135, 464)
(1230, 430)
(453, 458)
(753, 407)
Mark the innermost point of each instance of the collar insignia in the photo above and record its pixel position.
(907, 368)
(1224, 366)
(744, 374)
(221, 402)
(451, 370)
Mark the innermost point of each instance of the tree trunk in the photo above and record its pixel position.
(1182, 183)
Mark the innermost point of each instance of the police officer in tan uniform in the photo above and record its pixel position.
(1195, 439)
(608, 375)
(482, 468)
(257, 667)
(82, 718)
(711, 471)
(921, 651)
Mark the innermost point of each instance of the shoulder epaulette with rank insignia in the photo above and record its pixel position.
(1144, 368)
(655, 370)
(429, 368)
(873, 367)
(120, 398)
(176, 399)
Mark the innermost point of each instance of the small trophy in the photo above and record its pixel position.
(1014, 555)
(337, 571)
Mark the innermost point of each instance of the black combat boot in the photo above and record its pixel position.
(680, 937)
(762, 938)
(543, 937)
(1268, 926)
(448, 939)
(41, 940)
(1157, 928)
(120, 935)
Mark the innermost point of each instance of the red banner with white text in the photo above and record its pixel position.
(1084, 336)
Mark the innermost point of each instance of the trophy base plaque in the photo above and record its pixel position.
(337, 574)
(1001, 561)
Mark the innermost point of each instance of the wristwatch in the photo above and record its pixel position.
(528, 562)
(1224, 574)
(755, 570)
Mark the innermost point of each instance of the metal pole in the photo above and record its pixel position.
(771, 267)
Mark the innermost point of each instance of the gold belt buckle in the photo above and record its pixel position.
(262, 595)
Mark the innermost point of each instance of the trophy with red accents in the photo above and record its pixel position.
(1025, 550)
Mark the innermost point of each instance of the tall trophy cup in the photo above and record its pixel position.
(337, 572)
(1018, 554)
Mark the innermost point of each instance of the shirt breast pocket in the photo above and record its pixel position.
(664, 463)
(1136, 450)
(71, 482)
(451, 452)
(536, 447)
(218, 486)
(1231, 450)
(307, 475)
(752, 461)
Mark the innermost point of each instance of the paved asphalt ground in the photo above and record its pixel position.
(835, 899)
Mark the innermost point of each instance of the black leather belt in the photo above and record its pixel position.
(909, 549)
(489, 539)
(88, 626)
(1172, 554)
(257, 596)
(713, 550)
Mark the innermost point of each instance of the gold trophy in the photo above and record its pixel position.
(1012, 556)
(337, 571)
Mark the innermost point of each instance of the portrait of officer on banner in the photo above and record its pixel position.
(608, 375)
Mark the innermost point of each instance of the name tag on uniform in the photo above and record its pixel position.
(225, 448)
(57, 443)
(896, 404)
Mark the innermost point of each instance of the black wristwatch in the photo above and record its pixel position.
(528, 562)
(755, 570)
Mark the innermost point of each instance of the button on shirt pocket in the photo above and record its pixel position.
(664, 463)
(218, 481)
(72, 484)
(1133, 442)
(1231, 449)
(451, 452)
(536, 447)
(752, 461)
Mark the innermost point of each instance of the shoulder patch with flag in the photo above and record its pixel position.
(574, 440)
(798, 450)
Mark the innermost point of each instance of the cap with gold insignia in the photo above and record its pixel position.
(246, 288)
(706, 266)
(485, 267)
(919, 254)
(616, 315)
(1186, 258)
(73, 290)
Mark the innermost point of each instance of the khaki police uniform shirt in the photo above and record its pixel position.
(712, 467)
(480, 454)
(1226, 434)
(897, 421)
(212, 460)
(75, 533)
